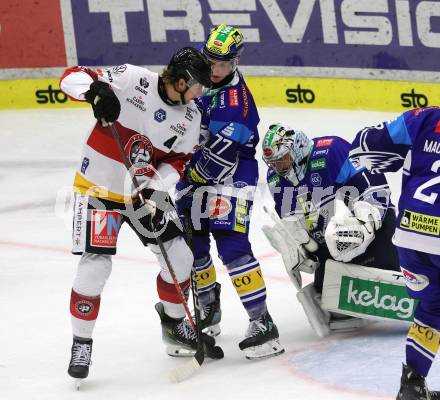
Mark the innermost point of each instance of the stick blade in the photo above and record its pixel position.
(185, 371)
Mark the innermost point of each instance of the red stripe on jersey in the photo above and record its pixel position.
(177, 160)
(93, 74)
(437, 128)
(101, 140)
(168, 292)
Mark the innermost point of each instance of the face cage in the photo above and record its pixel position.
(292, 173)
(273, 164)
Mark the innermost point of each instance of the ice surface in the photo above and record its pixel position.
(38, 154)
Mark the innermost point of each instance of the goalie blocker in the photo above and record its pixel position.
(364, 293)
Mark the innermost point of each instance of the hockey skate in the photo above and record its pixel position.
(413, 386)
(80, 359)
(211, 314)
(262, 339)
(178, 335)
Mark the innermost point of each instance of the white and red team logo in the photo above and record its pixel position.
(84, 307)
(233, 97)
(324, 142)
(105, 228)
(140, 152)
(415, 282)
(219, 207)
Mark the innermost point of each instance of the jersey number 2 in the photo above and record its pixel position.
(434, 181)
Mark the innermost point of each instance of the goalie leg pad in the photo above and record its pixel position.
(340, 323)
(318, 318)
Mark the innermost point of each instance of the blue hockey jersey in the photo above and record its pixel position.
(229, 124)
(329, 172)
(411, 141)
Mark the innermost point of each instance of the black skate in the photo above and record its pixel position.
(80, 360)
(178, 335)
(211, 314)
(261, 339)
(413, 386)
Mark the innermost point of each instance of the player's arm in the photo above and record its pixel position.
(384, 147)
(219, 155)
(362, 201)
(227, 131)
(97, 87)
(365, 191)
(287, 235)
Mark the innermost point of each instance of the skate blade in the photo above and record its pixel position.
(179, 351)
(213, 330)
(269, 349)
(78, 383)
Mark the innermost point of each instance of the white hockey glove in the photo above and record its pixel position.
(348, 236)
(294, 244)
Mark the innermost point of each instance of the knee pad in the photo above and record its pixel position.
(232, 245)
(180, 256)
(92, 274)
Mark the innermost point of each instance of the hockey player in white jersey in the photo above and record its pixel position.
(158, 126)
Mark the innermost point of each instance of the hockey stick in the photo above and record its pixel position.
(180, 373)
(215, 352)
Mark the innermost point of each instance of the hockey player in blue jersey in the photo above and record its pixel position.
(332, 210)
(218, 190)
(412, 141)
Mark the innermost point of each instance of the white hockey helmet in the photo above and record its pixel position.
(286, 151)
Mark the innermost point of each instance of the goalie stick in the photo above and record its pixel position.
(184, 371)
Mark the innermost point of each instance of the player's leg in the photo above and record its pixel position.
(422, 277)
(177, 334)
(261, 338)
(207, 286)
(95, 231)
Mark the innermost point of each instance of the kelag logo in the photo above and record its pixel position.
(300, 95)
(380, 299)
(50, 95)
(413, 99)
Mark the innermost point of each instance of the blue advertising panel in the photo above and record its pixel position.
(361, 34)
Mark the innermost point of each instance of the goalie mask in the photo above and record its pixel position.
(286, 151)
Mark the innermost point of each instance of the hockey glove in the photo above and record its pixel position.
(290, 239)
(348, 236)
(105, 104)
(154, 205)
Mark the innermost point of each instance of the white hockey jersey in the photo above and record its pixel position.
(157, 138)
